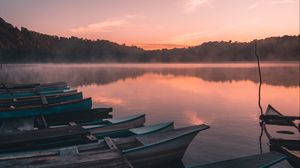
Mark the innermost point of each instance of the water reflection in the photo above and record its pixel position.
(87, 74)
(223, 96)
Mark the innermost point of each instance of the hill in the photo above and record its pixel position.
(23, 45)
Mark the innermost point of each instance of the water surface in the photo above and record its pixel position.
(224, 96)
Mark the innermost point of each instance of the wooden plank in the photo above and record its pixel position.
(91, 138)
(113, 146)
(110, 143)
(44, 100)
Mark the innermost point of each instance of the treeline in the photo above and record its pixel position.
(23, 45)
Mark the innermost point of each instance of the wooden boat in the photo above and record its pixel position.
(283, 134)
(112, 124)
(40, 122)
(31, 85)
(38, 139)
(41, 100)
(143, 150)
(37, 110)
(36, 89)
(255, 161)
(30, 94)
(149, 129)
(114, 132)
(78, 116)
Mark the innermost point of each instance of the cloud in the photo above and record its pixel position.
(192, 5)
(103, 26)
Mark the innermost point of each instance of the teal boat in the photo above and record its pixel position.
(44, 139)
(111, 124)
(38, 100)
(30, 94)
(149, 129)
(5, 86)
(141, 151)
(37, 89)
(255, 161)
(37, 110)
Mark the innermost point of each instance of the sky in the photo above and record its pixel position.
(156, 24)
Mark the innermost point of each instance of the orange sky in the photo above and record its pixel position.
(156, 24)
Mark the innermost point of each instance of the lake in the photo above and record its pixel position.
(223, 96)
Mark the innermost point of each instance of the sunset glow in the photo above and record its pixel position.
(156, 24)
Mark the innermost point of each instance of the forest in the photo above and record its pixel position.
(24, 46)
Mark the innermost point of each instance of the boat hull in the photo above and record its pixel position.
(32, 85)
(161, 153)
(38, 101)
(133, 123)
(30, 94)
(78, 105)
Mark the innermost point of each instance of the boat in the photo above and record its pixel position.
(41, 122)
(111, 124)
(254, 161)
(148, 129)
(143, 150)
(78, 116)
(38, 139)
(38, 100)
(36, 89)
(31, 85)
(283, 134)
(37, 110)
(30, 94)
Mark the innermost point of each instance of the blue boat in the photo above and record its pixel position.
(16, 95)
(39, 100)
(37, 89)
(149, 129)
(5, 86)
(255, 161)
(38, 110)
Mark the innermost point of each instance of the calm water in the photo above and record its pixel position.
(223, 96)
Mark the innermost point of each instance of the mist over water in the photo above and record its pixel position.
(223, 96)
(279, 74)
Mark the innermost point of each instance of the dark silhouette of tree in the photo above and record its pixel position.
(23, 45)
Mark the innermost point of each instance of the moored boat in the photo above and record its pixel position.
(144, 150)
(255, 161)
(148, 129)
(36, 89)
(30, 94)
(37, 110)
(283, 134)
(38, 100)
(33, 139)
(78, 116)
(31, 85)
